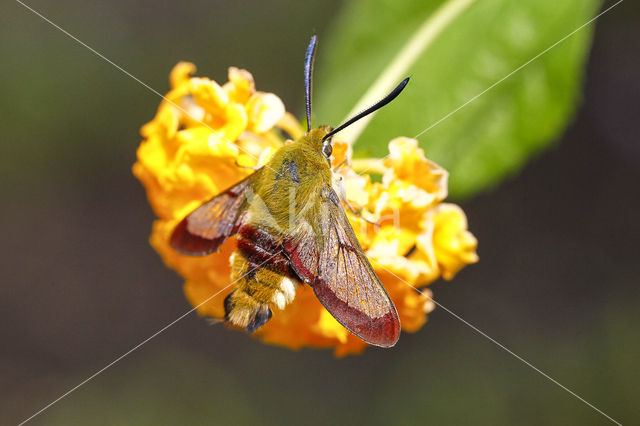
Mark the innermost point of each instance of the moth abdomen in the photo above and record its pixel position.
(263, 250)
(244, 310)
(260, 238)
(262, 316)
(259, 284)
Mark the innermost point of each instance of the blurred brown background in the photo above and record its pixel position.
(557, 282)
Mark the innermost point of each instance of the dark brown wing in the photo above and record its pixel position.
(203, 230)
(342, 277)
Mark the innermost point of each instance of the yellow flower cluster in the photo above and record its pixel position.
(205, 137)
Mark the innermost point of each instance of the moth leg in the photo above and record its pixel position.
(213, 321)
(359, 214)
(340, 190)
(255, 168)
(340, 165)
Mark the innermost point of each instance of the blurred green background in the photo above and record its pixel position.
(557, 282)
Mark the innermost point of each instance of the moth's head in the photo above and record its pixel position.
(320, 139)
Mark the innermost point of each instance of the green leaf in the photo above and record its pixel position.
(478, 45)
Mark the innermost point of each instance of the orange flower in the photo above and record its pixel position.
(205, 137)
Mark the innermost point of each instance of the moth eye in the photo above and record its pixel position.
(327, 150)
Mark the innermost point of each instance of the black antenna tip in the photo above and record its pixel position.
(391, 96)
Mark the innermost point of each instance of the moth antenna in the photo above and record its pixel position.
(308, 74)
(391, 96)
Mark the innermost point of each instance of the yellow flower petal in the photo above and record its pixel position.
(205, 139)
(180, 73)
(454, 246)
(240, 86)
(209, 95)
(330, 328)
(264, 111)
(291, 125)
(407, 163)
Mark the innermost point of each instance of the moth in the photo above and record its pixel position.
(292, 231)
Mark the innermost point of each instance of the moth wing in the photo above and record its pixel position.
(342, 277)
(205, 229)
(302, 251)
